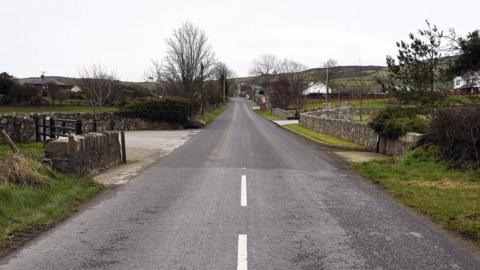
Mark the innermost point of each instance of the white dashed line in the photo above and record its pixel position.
(243, 195)
(242, 263)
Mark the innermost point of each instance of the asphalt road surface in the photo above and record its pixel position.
(245, 194)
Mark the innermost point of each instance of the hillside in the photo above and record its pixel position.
(342, 76)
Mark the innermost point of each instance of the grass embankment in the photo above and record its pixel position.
(448, 196)
(322, 138)
(210, 117)
(27, 208)
(313, 135)
(54, 109)
(267, 115)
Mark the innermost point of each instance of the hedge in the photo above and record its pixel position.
(173, 110)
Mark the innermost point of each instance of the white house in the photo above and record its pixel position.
(316, 88)
(470, 83)
(76, 89)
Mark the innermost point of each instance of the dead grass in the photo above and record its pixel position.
(18, 170)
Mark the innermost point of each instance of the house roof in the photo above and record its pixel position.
(42, 81)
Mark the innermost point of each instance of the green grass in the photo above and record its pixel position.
(316, 104)
(267, 115)
(448, 196)
(53, 109)
(323, 138)
(212, 116)
(25, 208)
(365, 118)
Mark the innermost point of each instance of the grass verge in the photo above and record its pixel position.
(323, 138)
(267, 115)
(210, 117)
(25, 208)
(448, 196)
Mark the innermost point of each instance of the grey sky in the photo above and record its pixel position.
(59, 36)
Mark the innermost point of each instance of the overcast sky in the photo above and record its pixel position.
(59, 36)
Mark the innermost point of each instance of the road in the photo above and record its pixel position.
(245, 194)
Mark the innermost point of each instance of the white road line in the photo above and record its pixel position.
(243, 195)
(242, 263)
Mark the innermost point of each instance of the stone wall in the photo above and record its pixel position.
(21, 127)
(347, 113)
(359, 133)
(283, 114)
(399, 146)
(84, 154)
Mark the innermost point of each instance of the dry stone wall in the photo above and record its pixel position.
(84, 154)
(357, 132)
(329, 122)
(283, 114)
(347, 113)
(21, 127)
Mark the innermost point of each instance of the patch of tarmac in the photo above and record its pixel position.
(144, 148)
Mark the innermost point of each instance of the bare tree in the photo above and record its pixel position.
(265, 65)
(328, 65)
(288, 88)
(189, 60)
(156, 76)
(223, 74)
(99, 85)
(265, 68)
(55, 92)
(361, 89)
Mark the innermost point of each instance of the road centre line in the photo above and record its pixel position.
(243, 192)
(242, 262)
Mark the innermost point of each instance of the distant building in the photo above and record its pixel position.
(316, 88)
(469, 83)
(249, 90)
(76, 89)
(41, 83)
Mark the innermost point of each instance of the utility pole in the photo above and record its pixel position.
(326, 90)
(224, 87)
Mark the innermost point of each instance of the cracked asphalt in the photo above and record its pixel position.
(305, 211)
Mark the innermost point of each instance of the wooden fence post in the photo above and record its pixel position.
(52, 128)
(37, 134)
(124, 150)
(44, 128)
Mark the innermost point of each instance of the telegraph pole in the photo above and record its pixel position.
(326, 90)
(224, 87)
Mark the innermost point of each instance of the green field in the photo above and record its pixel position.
(316, 104)
(26, 208)
(422, 181)
(53, 109)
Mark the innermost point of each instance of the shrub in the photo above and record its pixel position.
(172, 110)
(20, 95)
(393, 122)
(456, 130)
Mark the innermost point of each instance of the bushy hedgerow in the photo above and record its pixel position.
(393, 122)
(457, 132)
(173, 110)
